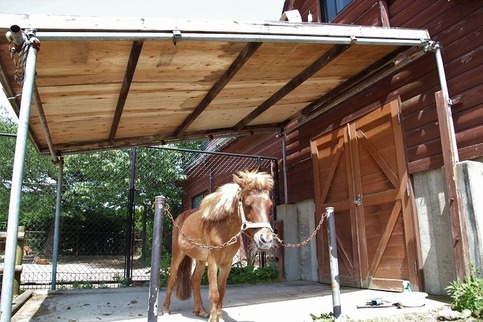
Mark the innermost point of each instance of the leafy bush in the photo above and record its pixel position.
(251, 275)
(467, 294)
(323, 317)
(248, 274)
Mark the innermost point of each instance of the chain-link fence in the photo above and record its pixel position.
(106, 208)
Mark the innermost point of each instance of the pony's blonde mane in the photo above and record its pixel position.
(223, 202)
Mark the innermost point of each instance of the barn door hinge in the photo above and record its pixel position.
(408, 189)
(358, 200)
(399, 117)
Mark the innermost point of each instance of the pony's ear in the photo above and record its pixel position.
(238, 179)
(253, 180)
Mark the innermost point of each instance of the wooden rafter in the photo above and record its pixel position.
(313, 68)
(238, 63)
(45, 125)
(153, 139)
(353, 81)
(136, 48)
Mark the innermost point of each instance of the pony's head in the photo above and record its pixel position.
(247, 197)
(254, 205)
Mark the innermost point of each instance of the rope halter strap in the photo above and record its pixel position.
(248, 224)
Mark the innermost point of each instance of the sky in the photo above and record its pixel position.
(238, 10)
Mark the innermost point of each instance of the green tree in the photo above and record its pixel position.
(38, 190)
(95, 194)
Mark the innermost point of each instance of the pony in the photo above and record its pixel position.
(211, 234)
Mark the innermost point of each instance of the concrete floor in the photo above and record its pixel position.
(288, 301)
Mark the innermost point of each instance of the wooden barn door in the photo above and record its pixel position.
(360, 170)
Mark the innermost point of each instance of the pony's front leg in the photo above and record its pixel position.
(222, 279)
(196, 282)
(213, 289)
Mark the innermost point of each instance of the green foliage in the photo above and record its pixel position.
(121, 280)
(467, 294)
(250, 275)
(80, 285)
(94, 195)
(38, 189)
(323, 317)
(239, 274)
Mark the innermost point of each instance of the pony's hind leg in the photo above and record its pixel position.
(196, 282)
(173, 272)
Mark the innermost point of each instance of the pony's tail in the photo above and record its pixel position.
(183, 279)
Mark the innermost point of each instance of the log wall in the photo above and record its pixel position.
(456, 25)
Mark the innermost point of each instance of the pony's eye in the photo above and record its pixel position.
(249, 208)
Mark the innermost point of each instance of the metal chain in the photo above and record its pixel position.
(21, 59)
(282, 243)
(231, 241)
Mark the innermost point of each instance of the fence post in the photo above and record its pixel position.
(334, 265)
(55, 248)
(130, 218)
(159, 203)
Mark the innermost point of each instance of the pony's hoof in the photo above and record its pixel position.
(216, 318)
(203, 314)
(165, 312)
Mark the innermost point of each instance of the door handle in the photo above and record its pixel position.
(358, 200)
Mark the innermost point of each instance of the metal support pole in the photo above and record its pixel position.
(159, 204)
(16, 190)
(445, 92)
(130, 219)
(284, 168)
(334, 265)
(55, 249)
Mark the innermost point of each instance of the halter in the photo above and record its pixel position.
(248, 224)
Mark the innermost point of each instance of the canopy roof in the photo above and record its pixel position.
(106, 82)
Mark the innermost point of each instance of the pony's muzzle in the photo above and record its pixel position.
(263, 239)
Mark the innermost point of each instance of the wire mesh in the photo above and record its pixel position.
(106, 209)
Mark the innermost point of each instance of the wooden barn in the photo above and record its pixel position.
(377, 114)
(404, 179)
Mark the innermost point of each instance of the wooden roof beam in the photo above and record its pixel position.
(71, 148)
(365, 79)
(45, 125)
(373, 69)
(238, 63)
(308, 72)
(136, 48)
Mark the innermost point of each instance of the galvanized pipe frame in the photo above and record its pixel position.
(233, 37)
(55, 246)
(16, 189)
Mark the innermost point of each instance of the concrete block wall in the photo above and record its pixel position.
(470, 183)
(300, 263)
(435, 226)
(434, 230)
